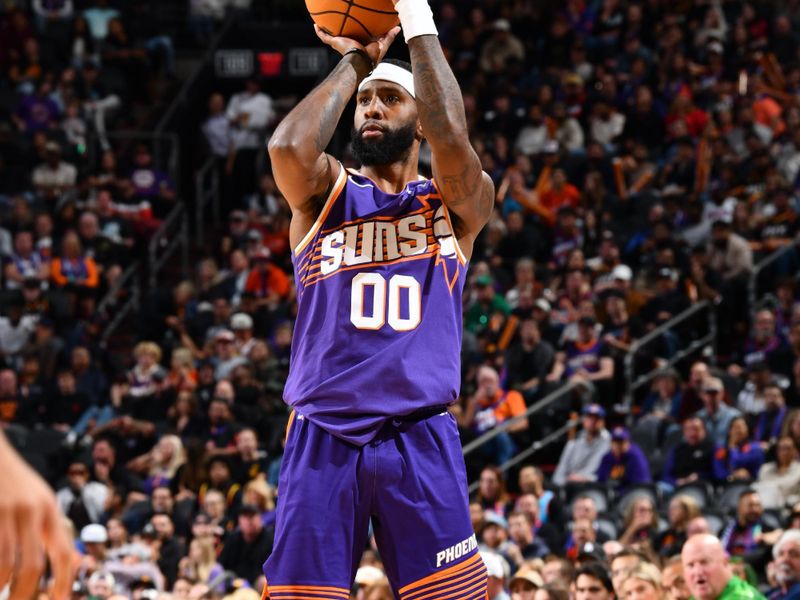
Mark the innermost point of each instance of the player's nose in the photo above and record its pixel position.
(374, 109)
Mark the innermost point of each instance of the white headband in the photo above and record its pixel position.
(389, 72)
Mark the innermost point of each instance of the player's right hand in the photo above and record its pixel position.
(376, 49)
(31, 527)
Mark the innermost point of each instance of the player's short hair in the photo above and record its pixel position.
(398, 63)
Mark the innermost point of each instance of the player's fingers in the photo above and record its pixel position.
(59, 550)
(322, 34)
(30, 555)
(8, 536)
(388, 37)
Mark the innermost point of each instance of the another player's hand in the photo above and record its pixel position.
(376, 49)
(30, 528)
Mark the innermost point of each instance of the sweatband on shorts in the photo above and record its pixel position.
(392, 73)
(416, 18)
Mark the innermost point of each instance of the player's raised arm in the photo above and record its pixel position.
(466, 190)
(303, 171)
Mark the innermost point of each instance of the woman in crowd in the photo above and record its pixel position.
(162, 464)
(643, 583)
(640, 522)
(778, 482)
(682, 509)
(492, 491)
(739, 459)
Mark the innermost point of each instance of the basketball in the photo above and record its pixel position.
(361, 20)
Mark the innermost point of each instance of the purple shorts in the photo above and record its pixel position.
(410, 480)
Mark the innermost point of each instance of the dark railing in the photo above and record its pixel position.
(552, 397)
(127, 288)
(633, 383)
(206, 191)
(170, 237)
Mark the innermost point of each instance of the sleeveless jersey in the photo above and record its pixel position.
(378, 332)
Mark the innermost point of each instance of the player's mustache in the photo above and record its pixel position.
(374, 125)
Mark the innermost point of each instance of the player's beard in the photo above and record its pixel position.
(393, 146)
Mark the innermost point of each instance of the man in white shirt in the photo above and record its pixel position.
(55, 176)
(249, 114)
(581, 457)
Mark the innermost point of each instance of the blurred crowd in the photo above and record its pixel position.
(646, 156)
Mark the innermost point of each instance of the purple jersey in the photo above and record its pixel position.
(378, 334)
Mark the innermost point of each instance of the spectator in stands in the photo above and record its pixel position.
(25, 262)
(520, 530)
(217, 128)
(529, 360)
(170, 548)
(55, 177)
(786, 567)
(583, 532)
(708, 572)
(747, 534)
(740, 458)
(490, 406)
(691, 459)
(673, 581)
(621, 565)
(496, 568)
(547, 532)
(249, 113)
(586, 359)
(81, 500)
(593, 583)
(668, 302)
(751, 399)
(487, 307)
(715, 414)
(492, 493)
(16, 328)
(150, 184)
(765, 343)
(524, 584)
(640, 522)
(643, 583)
(581, 457)
(267, 281)
(682, 509)
(248, 545)
(779, 481)
(72, 269)
(770, 421)
(531, 481)
(624, 464)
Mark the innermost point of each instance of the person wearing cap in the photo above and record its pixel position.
(55, 177)
(501, 47)
(494, 534)
(225, 358)
(708, 574)
(367, 576)
(624, 464)
(242, 326)
(786, 567)
(488, 306)
(267, 281)
(497, 570)
(524, 583)
(245, 548)
(581, 456)
(716, 415)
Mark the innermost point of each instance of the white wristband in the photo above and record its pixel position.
(416, 18)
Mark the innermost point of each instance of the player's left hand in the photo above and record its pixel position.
(376, 49)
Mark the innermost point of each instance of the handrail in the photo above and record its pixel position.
(532, 449)
(160, 239)
(121, 281)
(534, 408)
(205, 195)
(710, 338)
(181, 98)
(752, 284)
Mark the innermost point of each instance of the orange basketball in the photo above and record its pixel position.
(361, 20)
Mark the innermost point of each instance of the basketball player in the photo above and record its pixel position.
(380, 259)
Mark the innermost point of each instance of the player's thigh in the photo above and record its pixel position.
(422, 525)
(322, 517)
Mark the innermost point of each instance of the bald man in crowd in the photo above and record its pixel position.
(708, 573)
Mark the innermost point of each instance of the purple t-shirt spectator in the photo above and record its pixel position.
(147, 182)
(37, 112)
(627, 469)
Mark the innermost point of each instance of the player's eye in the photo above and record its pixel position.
(392, 99)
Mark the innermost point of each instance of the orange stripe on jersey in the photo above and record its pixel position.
(288, 426)
(440, 575)
(335, 192)
(265, 593)
(419, 211)
(306, 591)
(473, 576)
(312, 280)
(462, 259)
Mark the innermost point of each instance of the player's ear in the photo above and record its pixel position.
(420, 135)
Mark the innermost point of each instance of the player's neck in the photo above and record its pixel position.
(393, 178)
